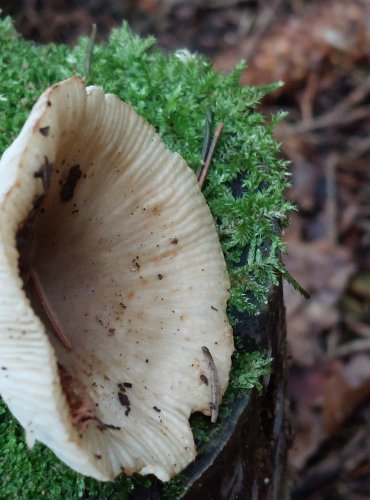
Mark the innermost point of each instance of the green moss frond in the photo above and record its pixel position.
(38, 474)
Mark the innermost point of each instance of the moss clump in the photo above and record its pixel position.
(174, 93)
(38, 474)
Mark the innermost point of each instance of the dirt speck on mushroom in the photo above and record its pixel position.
(44, 131)
(69, 186)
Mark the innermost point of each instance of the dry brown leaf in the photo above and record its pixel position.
(306, 389)
(346, 387)
(323, 269)
(325, 396)
(323, 35)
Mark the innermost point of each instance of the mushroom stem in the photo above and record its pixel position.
(207, 163)
(55, 323)
(215, 386)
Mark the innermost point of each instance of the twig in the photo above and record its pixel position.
(206, 141)
(212, 148)
(89, 50)
(357, 147)
(359, 328)
(350, 348)
(216, 395)
(332, 343)
(327, 471)
(331, 198)
(262, 23)
(341, 114)
(355, 97)
(217, 4)
(327, 120)
(55, 323)
(308, 96)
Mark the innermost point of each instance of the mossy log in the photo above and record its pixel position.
(243, 455)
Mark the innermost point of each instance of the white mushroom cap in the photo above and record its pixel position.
(116, 229)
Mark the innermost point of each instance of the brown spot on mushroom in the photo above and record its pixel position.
(160, 276)
(123, 399)
(97, 455)
(44, 173)
(155, 408)
(170, 253)
(69, 186)
(37, 203)
(156, 210)
(82, 408)
(135, 264)
(44, 131)
(143, 280)
(203, 378)
(110, 426)
(174, 241)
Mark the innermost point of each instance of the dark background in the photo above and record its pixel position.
(321, 50)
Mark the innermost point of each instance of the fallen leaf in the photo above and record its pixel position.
(346, 387)
(323, 269)
(320, 37)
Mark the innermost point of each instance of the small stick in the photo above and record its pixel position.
(328, 120)
(351, 348)
(264, 19)
(206, 141)
(343, 113)
(57, 327)
(359, 328)
(89, 50)
(212, 148)
(216, 396)
(331, 198)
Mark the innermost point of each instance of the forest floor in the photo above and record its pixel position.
(321, 50)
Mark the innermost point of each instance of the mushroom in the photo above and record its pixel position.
(112, 284)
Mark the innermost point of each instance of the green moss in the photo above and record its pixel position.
(38, 474)
(175, 93)
(174, 488)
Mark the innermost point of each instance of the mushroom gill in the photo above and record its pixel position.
(105, 238)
